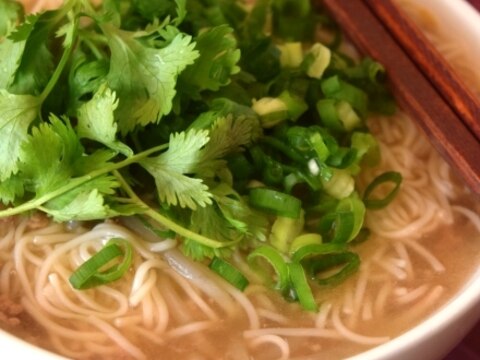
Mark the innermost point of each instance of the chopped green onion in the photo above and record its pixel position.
(317, 249)
(240, 167)
(284, 230)
(317, 258)
(301, 287)
(272, 111)
(296, 106)
(376, 71)
(279, 145)
(303, 240)
(343, 158)
(335, 88)
(321, 59)
(368, 69)
(298, 138)
(347, 115)
(367, 147)
(277, 262)
(327, 110)
(340, 185)
(291, 180)
(339, 225)
(89, 274)
(229, 273)
(314, 266)
(272, 172)
(356, 206)
(291, 54)
(275, 202)
(319, 146)
(387, 177)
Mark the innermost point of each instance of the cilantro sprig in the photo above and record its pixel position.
(174, 110)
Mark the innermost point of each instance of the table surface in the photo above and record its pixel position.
(469, 348)
(475, 3)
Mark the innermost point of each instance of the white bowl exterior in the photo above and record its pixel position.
(433, 338)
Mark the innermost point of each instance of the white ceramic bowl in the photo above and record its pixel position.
(436, 336)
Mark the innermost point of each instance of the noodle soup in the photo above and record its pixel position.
(170, 305)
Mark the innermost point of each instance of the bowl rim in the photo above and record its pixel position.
(453, 311)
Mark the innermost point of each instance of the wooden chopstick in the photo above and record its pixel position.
(430, 62)
(414, 92)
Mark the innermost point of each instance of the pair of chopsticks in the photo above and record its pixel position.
(423, 82)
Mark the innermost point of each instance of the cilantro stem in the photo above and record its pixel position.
(61, 65)
(38, 202)
(168, 223)
(93, 48)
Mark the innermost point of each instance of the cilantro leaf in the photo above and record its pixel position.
(217, 62)
(144, 78)
(227, 135)
(16, 115)
(93, 200)
(68, 32)
(151, 9)
(256, 21)
(230, 218)
(85, 77)
(200, 252)
(293, 19)
(11, 189)
(86, 205)
(12, 49)
(98, 160)
(209, 222)
(35, 65)
(206, 14)
(10, 56)
(96, 120)
(181, 11)
(250, 223)
(171, 169)
(23, 31)
(49, 154)
(10, 11)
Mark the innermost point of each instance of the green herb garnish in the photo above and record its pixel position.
(189, 114)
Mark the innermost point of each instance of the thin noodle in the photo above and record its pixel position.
(412, 295)
(275, 340)
(293, 332)
(191, 328)
(352, 336)
(427, 255)
(118, 338)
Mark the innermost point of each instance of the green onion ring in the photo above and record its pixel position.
(275, 202)
(277, 262)
(389, 176)
(301, 287)
(88, 275)
(229, 273)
